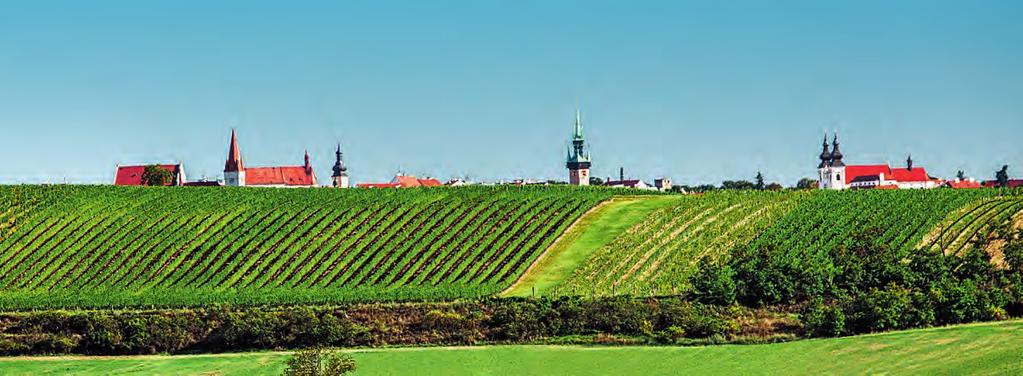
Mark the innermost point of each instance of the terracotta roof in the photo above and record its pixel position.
(859, 173)
(378, 185)
(962, 184)
(852, 172)
(132, 175)
(290, 175)
(917, 174)
(430, 182)
(1013, 183)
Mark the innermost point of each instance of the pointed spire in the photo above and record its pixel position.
(825, 156)
(339, 164)
(909, 162)
(836, 155)
(234, 156)
(578, 125)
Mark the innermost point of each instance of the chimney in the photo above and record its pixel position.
(621, 174)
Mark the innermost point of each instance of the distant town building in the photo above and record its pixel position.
(578, 159)
(1011, 183)
(236, 174)
(456, 182)
(662, 184)
(403, 181)
(340, 176)
(622, 182)
(962, 184)
(833, 173)
(132, 175)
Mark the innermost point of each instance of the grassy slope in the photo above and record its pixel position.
(661, 250)
(977, 349)
(591, 232)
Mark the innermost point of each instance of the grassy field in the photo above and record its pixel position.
(592, 231)
(976, 349)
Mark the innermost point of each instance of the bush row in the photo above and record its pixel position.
(866, 286)
(222, 329)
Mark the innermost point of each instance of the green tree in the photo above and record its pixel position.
(319, 362)
(807, 183)
(154, 175)
(737, 185)
(596, 181)
(760, 181)
(1002, 176)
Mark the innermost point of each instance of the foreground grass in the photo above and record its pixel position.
(592, 231)
(978, 349)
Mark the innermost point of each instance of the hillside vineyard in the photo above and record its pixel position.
(113, 246)
(93, 246)
(659, 254)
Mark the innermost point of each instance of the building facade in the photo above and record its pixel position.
(340, 176)
(132, 175)
(578, 159)
(236, 174)
(833, 173)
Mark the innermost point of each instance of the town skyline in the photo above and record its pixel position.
(696, 92)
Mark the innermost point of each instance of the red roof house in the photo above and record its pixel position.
(1013, 183)
(403, 181)
(235, 172)
(132, 175)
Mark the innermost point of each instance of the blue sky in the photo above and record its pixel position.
(697, 91)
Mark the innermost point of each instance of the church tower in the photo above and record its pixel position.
(340, 176)
(234, 169)
(831, 170)
(578, 159)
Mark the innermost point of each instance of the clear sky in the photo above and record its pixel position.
(697, 91)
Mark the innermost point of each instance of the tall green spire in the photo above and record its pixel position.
(578, 125)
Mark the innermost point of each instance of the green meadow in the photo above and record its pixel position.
(975, 349)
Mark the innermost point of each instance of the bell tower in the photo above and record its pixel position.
(578, 159)
(234, 169)
(340, 176)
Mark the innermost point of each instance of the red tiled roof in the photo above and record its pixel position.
(852, 172)
(873, 172)
(1013, 183)
(962, 184)
(378, 185)
(431, 182)
(406, 181)
(290, 175)
(132, 175)
(917, 174)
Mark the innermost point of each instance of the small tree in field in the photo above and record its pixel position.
(154, 175)
(759, 185)
(319, 362)
(806, 183)
(1002, 176)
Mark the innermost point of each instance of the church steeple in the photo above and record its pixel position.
(578, 159)
(234, 156)
(836, 155)
(825, 155)
(340, 176)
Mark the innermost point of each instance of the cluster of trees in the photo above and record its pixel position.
(758, 184)
(866, 286)
(220, 329)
